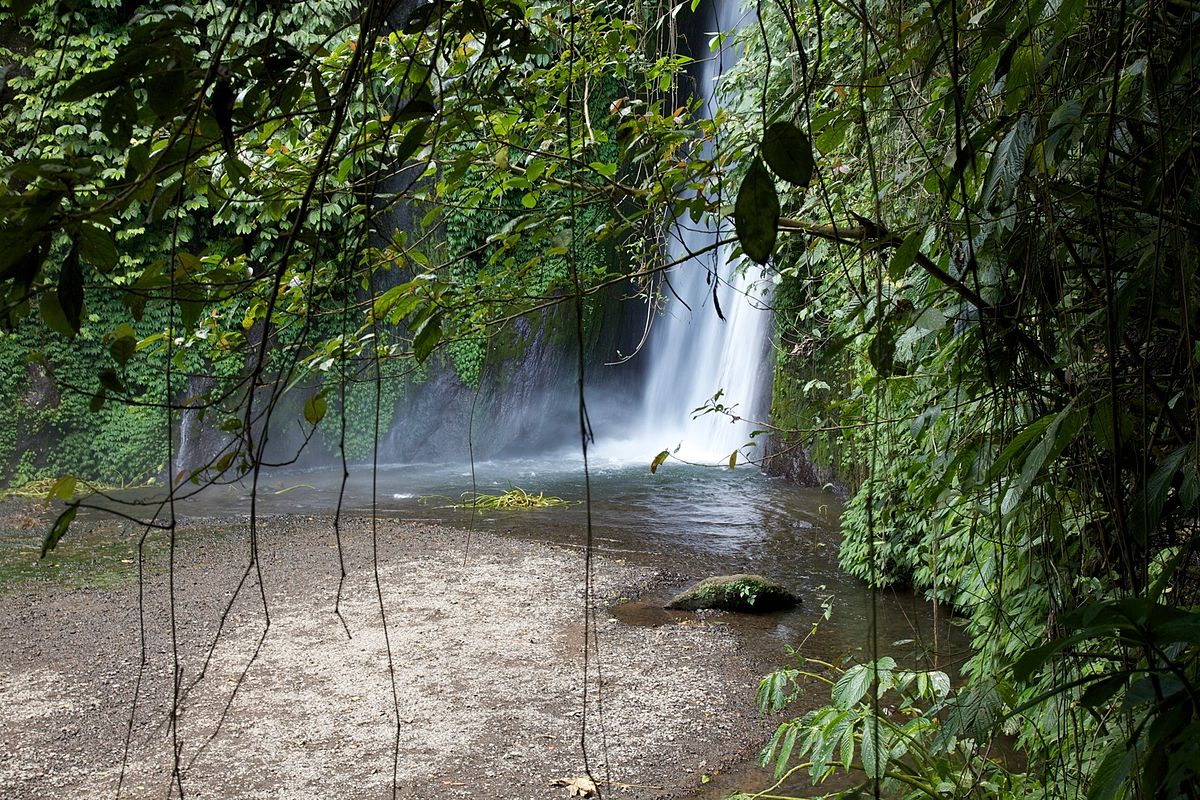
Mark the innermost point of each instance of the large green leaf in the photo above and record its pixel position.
(1113, 772)
(97, 82)
(852, 686)
(1059, 433)
(756, 213)
(873, 748)
(97, 247)
(1007, 164)
(62, 489)
(53, 316)
(1148, 504)
(122, 343)
(906, 254)
(789, 153)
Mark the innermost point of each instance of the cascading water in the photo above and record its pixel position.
(693, 353)
(693, 350)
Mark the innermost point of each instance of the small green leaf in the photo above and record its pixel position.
(658, 461)
(939, 682)
(785, 750)
(606, 169)
(223, 463)
(385, 301)
(58, 530)
(62, 489)
(789, 153)
(122, 343)
(427, 337)
(1103, 690)
(733, 459)
(412, 140)
(314, 409)
(164, 201)
(756, 213)
(110, 381)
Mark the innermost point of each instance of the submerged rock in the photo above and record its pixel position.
(745, 593)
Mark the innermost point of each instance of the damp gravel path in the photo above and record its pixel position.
(487, 647)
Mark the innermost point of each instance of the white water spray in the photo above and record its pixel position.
(693, 353)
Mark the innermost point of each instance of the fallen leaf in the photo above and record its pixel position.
(576, 787)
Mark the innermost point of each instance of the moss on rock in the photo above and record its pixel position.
(741, 592)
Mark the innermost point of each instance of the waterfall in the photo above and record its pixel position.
(639, 410)
(692, 352)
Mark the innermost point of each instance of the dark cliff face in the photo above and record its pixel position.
(795, 463)
(528, 399)
(524, 402)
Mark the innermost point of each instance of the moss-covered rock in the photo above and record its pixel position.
(746, 593)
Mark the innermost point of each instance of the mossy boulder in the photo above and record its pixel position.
(746, 593)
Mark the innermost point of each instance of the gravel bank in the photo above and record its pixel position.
(487, 655)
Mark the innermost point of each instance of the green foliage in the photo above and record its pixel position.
(980, 220)
(978, 315)
(904, 730)
(49, 426)
(467, 356)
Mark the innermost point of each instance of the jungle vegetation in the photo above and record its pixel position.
(980, 217)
